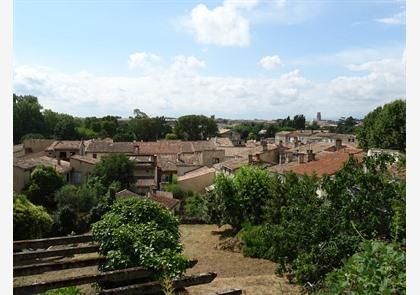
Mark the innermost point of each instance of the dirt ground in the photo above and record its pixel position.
(253, 276)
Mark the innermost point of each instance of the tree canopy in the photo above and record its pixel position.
(195, 127)
(384, 127)
(115, 167)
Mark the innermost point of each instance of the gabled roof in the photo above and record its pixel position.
(102, 146)
(28, 164)
(173, 146)
(328, 164)
(196, 173)
(85, 159)
(125, 193)
(64, 145)
(167, 202)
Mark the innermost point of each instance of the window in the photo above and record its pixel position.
(216, 160)
(63, 155)
(94, 156)
(72, 153)
(76, 178)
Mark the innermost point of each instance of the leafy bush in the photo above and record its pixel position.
(80, 199)
(379, 268)
(139, 232)
(44, 182)
(65, 221)
(195, 206)
(29, 221)
(115, 167)
(63, 291)
(310, 225)
(240, 199)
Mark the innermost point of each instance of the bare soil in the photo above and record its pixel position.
(252, 275)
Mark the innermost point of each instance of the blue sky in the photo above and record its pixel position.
(237, 59)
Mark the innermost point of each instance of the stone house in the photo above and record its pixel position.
(81, 166)
(234, 136)
(197, 180)
(64, 149)
(22, 169)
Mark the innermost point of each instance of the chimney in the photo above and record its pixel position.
(311, 156)
(301, 159)
(264, 145)
(338, 144)
(249, 158)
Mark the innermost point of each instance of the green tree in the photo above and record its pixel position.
(170, 136)
(346, 125)
(384, 127)
(51, 119)
(65, 128)
(115, 167)
(378, 268)
(44, 182)
(85, 133)
(27, 116)
(195, 127)
(140, 232)
(299, 122)
(29, 221)
(240, 199)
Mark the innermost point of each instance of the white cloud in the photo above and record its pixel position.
(223, 26)
(179, 89)
(396, 19)
(142, 60)
(187, 64)
(270, 62)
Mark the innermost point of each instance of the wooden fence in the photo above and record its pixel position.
(29, 259)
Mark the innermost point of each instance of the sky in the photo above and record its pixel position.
(232, 59)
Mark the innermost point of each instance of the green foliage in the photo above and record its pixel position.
(195, 127)
(29, 221)
(378, 268)
(44, 182)
(80, 199)
(32, 136)
(65, 128)
(384, 127)
(139, 232)
(27, 116)
(65, 220)
(311, 225)
(85, 133)
(170, 136)
(240, 199)
(115, 167)
(64, 291)
(149, 129)
(195, 206)
(346, 125)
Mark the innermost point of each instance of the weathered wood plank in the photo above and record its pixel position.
(45, 243)
(33, 269)
(22, 256)
(110, 276)
(233, 291)
(155, 287)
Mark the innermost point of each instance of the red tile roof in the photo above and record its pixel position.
(329, 164)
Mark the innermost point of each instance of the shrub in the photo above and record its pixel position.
(66, 221)
(139, 232)
(44, 182)
(29, 221)
(379, 268)
(195, 206)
